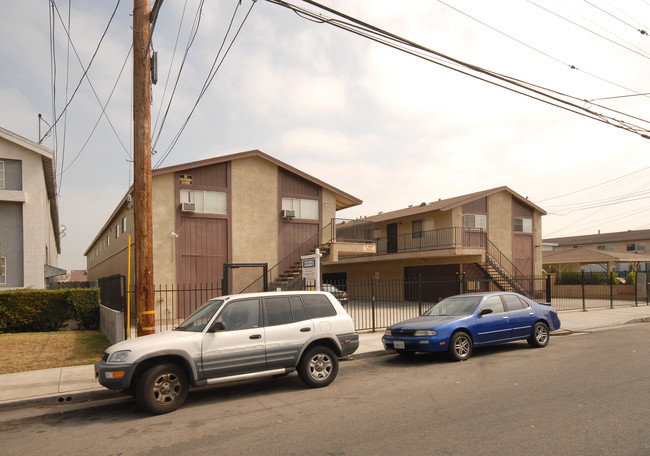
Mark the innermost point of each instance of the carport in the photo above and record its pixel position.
(571, 259)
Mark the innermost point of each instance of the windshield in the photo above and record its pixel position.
(455, 306)
(201, 316)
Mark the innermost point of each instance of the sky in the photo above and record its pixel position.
(390, 128)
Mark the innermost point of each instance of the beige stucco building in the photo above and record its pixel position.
(494, 234)
(245, 208)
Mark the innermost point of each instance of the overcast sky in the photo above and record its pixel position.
(389, 128)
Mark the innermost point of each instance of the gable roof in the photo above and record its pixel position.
(343, 200)
(47, 156)
(620, 236)
(449, 203)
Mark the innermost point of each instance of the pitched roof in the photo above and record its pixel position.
(449, 203)
(343, 200)
(602, 238)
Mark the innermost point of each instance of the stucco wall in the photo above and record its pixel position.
(328, 212)
(255, 216)
(164, 210)
(37, 227)
(500, 222)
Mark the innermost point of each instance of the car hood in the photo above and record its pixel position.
(152, 340)
(426, 322)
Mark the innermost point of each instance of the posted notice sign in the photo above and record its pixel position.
(309, 271)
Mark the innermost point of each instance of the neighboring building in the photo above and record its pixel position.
(494, 234)
(245, 208)
(75, 276)
(620, 252)
(29, 216)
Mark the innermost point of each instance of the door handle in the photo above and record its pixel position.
(505, 317)
(305, 330)
(255, 336)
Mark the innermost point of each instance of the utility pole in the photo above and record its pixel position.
(144, 291)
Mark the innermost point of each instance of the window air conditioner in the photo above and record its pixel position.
(286, 213)
(188, 207)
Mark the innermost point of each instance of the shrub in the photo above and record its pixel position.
(85, 302)
(47, 310)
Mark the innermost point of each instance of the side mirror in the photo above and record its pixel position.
(217, 326)
(485, 312)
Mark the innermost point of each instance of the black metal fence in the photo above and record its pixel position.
(374, 304)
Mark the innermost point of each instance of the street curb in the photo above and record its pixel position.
(53, 401)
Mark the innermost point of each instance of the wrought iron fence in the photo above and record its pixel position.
(375, 304)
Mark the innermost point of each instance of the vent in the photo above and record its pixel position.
(286, 213)
(188, 207)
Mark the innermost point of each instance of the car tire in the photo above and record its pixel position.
(539, 336)
(162, 389)
(460, 346)
(318, 367)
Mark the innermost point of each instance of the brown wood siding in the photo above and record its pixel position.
(293, 235)
(523, 253)
(478, 206)
(295, 186)
(203, 248)
(520, 209)
(210, 177)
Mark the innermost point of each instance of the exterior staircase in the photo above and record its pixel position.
(503, 273)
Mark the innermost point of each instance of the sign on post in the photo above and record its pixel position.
(311, 268)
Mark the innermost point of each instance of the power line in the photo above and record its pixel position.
(544, 95)
(216, 65)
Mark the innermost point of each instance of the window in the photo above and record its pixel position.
(3, 271)
(108, 240)
(2, 175)
(117, 231)
(609, 248)
(635, 247)
(416, 229)
(239, 315)
(297, 309)
(318, 306)
(124, 224)
(475, 221)
(514, 303)
(278, 311)
(206, 202)
(523, 225)
(305, 208)
(494, 303)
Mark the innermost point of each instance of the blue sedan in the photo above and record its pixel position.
(459, 323)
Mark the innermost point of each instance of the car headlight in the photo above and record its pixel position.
(119, 356)
(425, 332)
(388, 332)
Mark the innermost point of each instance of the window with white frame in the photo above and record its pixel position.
(108, 240)
(523, 225)
(3, 271)
(117, 231)
(2, 175)
(609, 248)
(416, 229)
(305, 208)
(124, 224)
(205, 201)
(475, 221)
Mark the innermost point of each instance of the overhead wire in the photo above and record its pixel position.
(546, 54)
(642, 32)
(83, 76)
(216, 65)
(547, 96)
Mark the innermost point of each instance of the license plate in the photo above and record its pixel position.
(399, 345)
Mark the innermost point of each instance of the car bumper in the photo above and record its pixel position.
(415, 344)
(349, 343)
(114, 376)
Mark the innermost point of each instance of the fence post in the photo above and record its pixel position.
(611, 290)
(636, 292)
(548, 288)
(372, 293)
(584, 303)
(419, 294)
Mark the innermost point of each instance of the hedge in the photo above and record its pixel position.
(47, 310)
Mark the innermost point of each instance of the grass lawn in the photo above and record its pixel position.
(22, 352)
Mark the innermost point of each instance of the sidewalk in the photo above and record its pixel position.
(66, 385)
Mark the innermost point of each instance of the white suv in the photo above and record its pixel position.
(237, 337)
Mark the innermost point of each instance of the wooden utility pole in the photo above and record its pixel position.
(144, 291)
